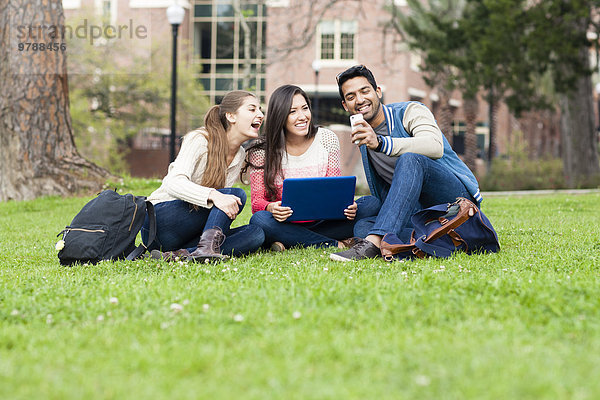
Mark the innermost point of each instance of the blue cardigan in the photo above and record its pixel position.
(394, 114)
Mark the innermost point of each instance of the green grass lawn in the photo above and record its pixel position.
(520, 324)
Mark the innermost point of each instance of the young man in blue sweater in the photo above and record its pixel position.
(408, 162)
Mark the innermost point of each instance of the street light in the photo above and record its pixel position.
(175, 15)
(598, 104)
(316, 66)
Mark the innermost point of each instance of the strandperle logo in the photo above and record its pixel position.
(84, 30)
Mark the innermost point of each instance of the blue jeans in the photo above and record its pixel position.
(418, 182)
(316, 233)
(179, 226)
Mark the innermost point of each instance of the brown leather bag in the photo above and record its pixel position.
(443, 230)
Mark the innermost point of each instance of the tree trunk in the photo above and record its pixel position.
(471, 107)
(36, 142)
(446, 113)
(541, 129)
(579, 135)
(494, 105)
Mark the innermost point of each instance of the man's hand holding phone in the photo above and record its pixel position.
(362, 132)
(354, 122)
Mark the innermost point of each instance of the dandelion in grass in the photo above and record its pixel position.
(14, 313)
(185, 302)
(176, 308)
(325, 269)
(49, 319)
(114, 300)
(100, 318)
(205, 307)
(422, 380)
(238, 318)
(296, 314)
(59, 245)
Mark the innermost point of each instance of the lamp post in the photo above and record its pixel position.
(175, 15)
(316, 66)
(598, 104)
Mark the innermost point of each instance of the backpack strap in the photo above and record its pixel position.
(141, 249)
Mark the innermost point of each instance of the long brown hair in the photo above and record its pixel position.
(217, 125)
(273, 139)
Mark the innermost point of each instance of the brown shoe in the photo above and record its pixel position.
(277, 246)
(209, 246)
(177, 255)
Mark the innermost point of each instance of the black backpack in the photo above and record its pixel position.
(106, 228)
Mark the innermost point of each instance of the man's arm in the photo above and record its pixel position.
(427, 139)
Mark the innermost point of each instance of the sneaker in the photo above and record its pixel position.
(362, 249)
(277, 246)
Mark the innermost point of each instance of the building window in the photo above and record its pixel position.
(337, 40)
(107, 11)
(71, 4)
(225, 60)
(459, 128)
(415, 61)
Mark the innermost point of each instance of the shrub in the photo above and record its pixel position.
(509, 174)
(516, 170)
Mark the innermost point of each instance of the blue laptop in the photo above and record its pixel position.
(318, 198)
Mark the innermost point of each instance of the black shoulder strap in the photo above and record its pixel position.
(138, 251)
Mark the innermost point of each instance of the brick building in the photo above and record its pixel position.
(262, 44)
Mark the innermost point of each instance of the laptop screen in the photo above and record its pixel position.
(321, 198)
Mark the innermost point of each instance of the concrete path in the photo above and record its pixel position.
(539, 192)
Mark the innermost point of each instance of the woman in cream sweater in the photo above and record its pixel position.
(195, 204)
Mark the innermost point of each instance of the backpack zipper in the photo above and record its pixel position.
(133, 218)
(65, 232)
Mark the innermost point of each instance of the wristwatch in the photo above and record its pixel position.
(379, 143)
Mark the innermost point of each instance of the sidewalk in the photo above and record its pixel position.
(539, 192)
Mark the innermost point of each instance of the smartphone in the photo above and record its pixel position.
(353, 120)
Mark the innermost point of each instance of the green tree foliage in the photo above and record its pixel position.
(506, 48)
(434, 30)
(431, 29)
(515, 43)
(507, 45)
(115, 94)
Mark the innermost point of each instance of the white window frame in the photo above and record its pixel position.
(278, 3)
(337, 46)
(158, 3)
(71, 4)
(99, 5)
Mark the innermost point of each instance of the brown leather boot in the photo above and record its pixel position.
(209, 246)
